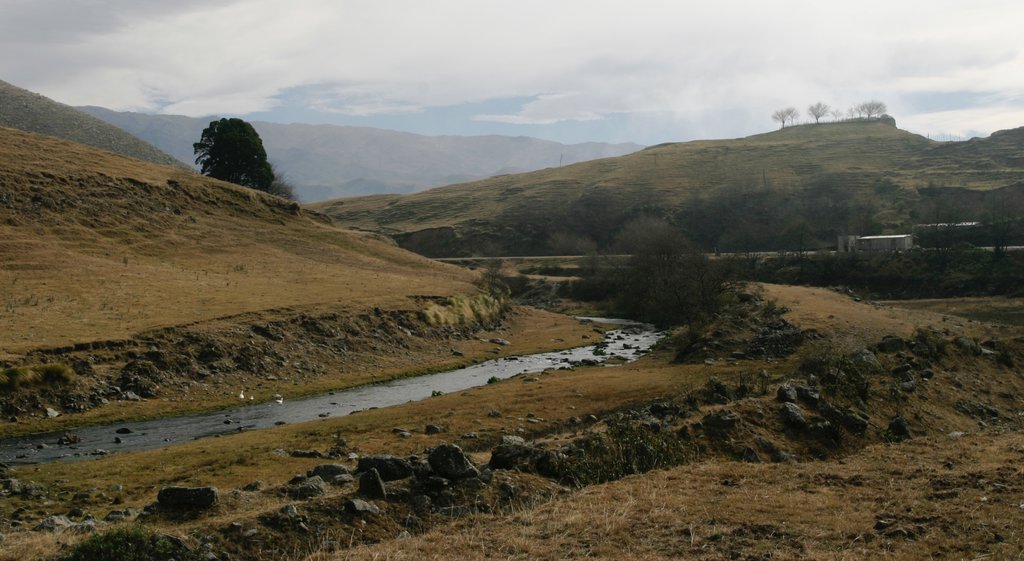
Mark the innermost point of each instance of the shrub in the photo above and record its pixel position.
(40, 375)
(626, 448)
(135, 543)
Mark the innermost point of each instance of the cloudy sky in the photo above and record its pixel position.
(645, 71)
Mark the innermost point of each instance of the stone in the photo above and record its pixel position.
(53, 524)
(498, 341)
(123, 430)
(306, 454)
(844, 417)
(343, 479)
(448, 460)
(793, 416)
(967, 345)
(328, 471)
(11, 485)
(371, 485)
(433, 429)
(899, 429)
(786, 394)
(312, 487)
(421, 504)
(187, 497)
(253, 486)
(389, 468)
(866, 362)
(513, 440)
(890, 344)
(359, 507)
(720, 421)
(808, 395)
(748, 454)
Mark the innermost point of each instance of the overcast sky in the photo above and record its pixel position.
(644, 71)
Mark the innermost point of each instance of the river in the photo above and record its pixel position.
(629, 342)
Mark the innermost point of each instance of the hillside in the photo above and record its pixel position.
(23, 110)
(328, 161)
(806, 183)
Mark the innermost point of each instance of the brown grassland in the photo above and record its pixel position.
(97, 248)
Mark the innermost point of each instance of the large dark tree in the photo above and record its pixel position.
(231, 150)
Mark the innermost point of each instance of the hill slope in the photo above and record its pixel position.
(326, 161)
(812, 181)
(101, 246)
(23, 110)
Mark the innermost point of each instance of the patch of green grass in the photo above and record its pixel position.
(40, 375)
(135, 543)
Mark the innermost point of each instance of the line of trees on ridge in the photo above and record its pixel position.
(867, 110)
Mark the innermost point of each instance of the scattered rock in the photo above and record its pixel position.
(187, 497)
(866, 362)
(899, 429)
(389, 468)
(306, 454)
(793, 416)
(720, 421)
(359, 507)
(786, 394)
(497, 341)
(433, 429)
(53, 524)
(311, 487)
(328, 471)
(808, 395)
(448, 460)
(967, 345)
(371, 485)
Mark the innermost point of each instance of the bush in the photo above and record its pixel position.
(40, 375)
(626, 448)
(135, 543)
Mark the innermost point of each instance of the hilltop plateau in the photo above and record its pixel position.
(795, 188)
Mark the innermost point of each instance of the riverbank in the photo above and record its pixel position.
(292, 353)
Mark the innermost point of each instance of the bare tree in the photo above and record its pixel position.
(836, 115)
(817, 111)
(871, 109)
(787, 115)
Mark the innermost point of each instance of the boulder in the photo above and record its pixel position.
(433, 429)
(808, 395)
(389, 468)
(786, 394)
(328, 471)
(53, 524)
(866, 362)
(720, 421)
(187, 497)
(890, 344)
(449, 461)
(311, 487)
(793, 416)
(359, 507)
(899, 429)
(371, 485)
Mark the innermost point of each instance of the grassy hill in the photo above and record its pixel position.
(761, 192)
(24, 110)
(328, 161)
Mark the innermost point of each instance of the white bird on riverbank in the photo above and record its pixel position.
(241, 395)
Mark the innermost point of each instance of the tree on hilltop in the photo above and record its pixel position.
(787, 115)
(870, 109)
(817, 111)
(231, 150)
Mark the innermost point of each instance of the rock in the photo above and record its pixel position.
(123, 430)
(83, 527)
(389, 468)
(328, 471)
(53, 524)
(132, 396)
(494, 413)
(513, 439)
(844, 417)
(497, 341)
(306, 454)
(51, 412)
(793, 416)
(69, 438)
(786, 394)
(433, 429)
(748, 454)
(343, 479)
(421, 504)
(291, 511)
(187, 497)
(890, 344)
(866, 362)
(967, 345)
(359, 506)
(899, 429)
(808, 395)
(311, 487)
(720, 421)
(253, 486)
(448, 460)
(11, 485)
(371, 485)
(118, 515)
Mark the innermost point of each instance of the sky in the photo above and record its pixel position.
(643, 71)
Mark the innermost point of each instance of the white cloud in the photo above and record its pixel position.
(579, 60)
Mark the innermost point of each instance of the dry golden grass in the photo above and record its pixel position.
(998, 310)
(98, 246)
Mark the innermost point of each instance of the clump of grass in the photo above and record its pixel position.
(135, 543)
(39, 375)
(626, 448)
(929, 343)
(465, 310)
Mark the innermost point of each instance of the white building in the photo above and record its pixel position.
(897, 242)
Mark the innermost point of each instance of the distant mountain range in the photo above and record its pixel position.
(27, 111)
(330, 161)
